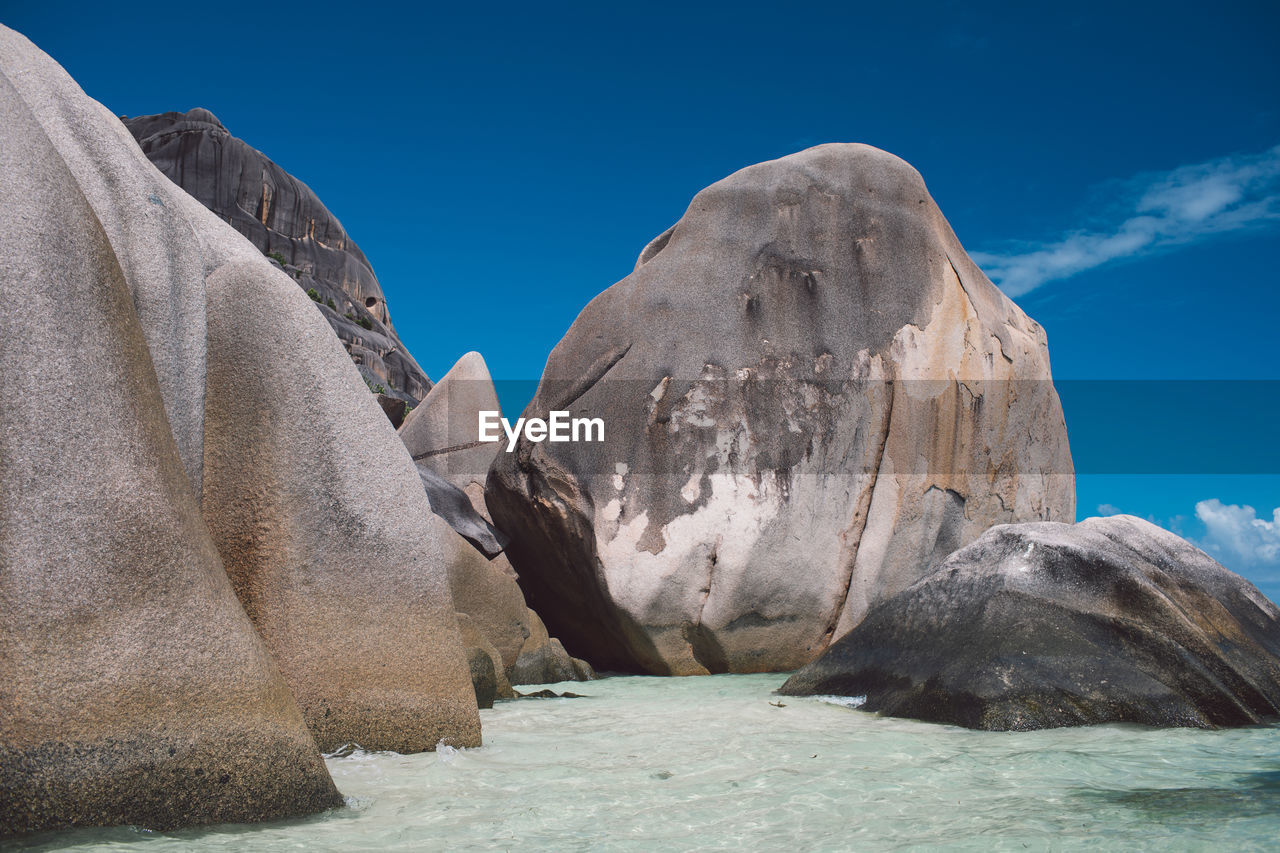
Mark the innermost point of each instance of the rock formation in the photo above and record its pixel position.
(441, 433)
(285, 220)
(341, 570)
(160, 502)
(810, 395)
(1112, 620)
(488, 676)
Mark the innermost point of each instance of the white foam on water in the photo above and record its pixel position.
(843, 701)
(448, 754)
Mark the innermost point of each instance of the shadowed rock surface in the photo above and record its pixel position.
(488, 675)
(454, 506)
(1112, 620)
(394, 408)
(174, 506)
(442, 435)
(282, 216)
(810, 396)
(543, 659)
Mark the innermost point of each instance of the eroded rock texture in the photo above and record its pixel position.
(283, 217)
(1112, 620)
(811, 396)
(442, 434)
(159, 503)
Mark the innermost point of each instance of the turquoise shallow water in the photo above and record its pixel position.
(709, 764)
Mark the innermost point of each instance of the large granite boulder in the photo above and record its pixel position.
(161, 502)
(810, 395)
(1112, 620)
(134, 688)
(441, 434)
(326, 531)
(285, 220)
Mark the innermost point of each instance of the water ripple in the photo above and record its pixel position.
(710, 764)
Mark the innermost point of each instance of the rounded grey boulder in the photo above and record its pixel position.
(1112, 620)
(810, 395)
(133, 687)
(201, 579)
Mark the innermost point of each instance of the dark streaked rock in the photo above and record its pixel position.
(286, 221)
(1112, 620)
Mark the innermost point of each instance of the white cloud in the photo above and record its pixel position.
(1236, 535)
(1179, 206)
(1109, 509)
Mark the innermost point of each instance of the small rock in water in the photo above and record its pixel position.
(549, 694)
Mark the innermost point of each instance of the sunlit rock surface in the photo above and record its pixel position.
(811, 396)
(133, 687)
(185, 456)
(1112, 620)
(283, 217)
(442, 435)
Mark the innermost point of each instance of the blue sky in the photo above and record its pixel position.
(1113, 165)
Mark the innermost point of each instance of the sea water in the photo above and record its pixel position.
(720, 763)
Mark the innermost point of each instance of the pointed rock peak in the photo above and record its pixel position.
(470, 367)
(442, 433)
(447, 415)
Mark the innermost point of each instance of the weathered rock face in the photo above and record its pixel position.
(326, 532)
(810, 395)
(154, 367)
(441, 433)
(1112, 620)
(134, 687)
(284, 218)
